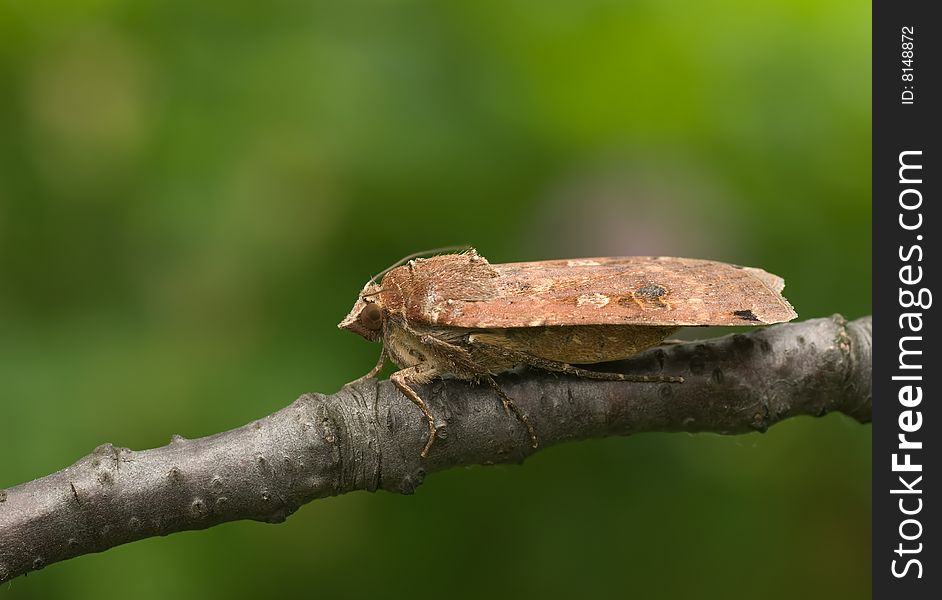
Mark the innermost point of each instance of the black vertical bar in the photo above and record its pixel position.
(906, 369)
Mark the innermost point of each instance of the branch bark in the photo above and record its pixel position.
(368, 437)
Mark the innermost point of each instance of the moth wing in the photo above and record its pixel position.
(639, 290)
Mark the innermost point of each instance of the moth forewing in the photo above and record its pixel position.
(457, 314)
(649, 291)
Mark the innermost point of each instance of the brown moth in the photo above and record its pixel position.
(458, 314)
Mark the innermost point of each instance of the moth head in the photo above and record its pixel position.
(366, 318)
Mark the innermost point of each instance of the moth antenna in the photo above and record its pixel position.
(405, 259)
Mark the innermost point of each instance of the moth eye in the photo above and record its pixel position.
(371, 316)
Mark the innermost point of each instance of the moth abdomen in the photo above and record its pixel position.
(577, 344)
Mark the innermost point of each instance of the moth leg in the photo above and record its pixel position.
(379, 367)
(510, 407)
(402, 379)
(462, 359)
(561, 367)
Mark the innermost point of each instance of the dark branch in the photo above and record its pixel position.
(368, 437)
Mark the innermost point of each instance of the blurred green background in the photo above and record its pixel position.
(193, 193)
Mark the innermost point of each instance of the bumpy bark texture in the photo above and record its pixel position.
(368, 437)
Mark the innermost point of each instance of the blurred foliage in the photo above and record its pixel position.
(192, 193)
